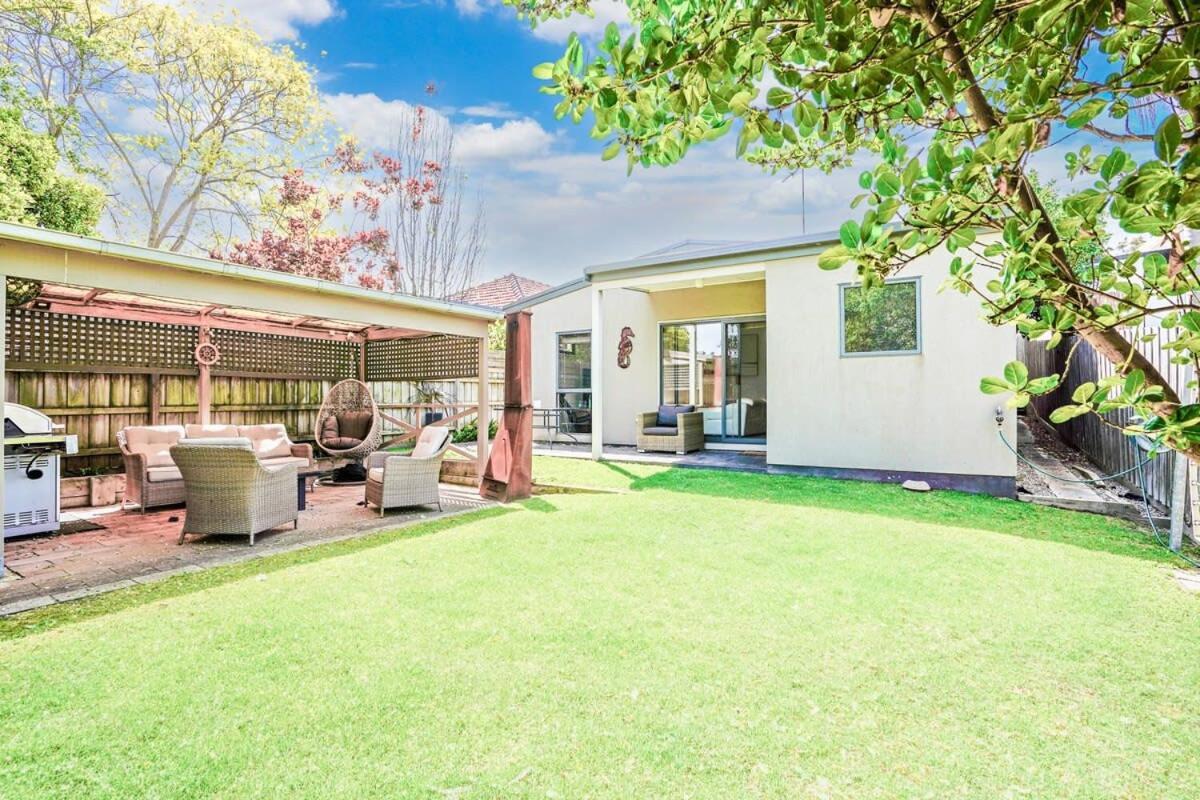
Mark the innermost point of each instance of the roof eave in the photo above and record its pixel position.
(85, 244)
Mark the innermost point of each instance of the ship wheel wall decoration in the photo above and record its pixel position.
(207, 354)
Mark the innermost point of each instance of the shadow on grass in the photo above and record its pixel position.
(539, 505)
(48, 617)
(617, 468)
(946, 508)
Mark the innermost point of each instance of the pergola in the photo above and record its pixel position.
(87, 291)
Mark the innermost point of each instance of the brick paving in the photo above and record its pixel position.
(140, 548)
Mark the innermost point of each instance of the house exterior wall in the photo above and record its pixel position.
(867, 416)
(635, 389)
(891, 413)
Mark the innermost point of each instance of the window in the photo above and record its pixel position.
(883, 320)
(575, 381)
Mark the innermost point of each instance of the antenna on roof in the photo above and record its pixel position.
(803, 206)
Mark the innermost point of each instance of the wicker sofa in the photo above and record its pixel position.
(395, 481)
(672, 429)
(231, 491)
(151, 477)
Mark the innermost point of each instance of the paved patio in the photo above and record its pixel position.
(132, 548)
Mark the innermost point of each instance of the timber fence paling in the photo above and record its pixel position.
(1106, 446)
(96, 405)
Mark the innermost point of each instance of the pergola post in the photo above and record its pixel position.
(204, 385)
(483, 418)
(597, 376)
(509, 473)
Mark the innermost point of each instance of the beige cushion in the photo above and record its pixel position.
(430, 441)
(160, 474)
(276, 463)
(268, 441)
(375, 474)
(212, 431)
(153, 442)
(240, 442)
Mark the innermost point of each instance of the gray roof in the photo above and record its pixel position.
(690, 254)
(722, 252)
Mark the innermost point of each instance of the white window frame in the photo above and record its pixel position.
(842, 287)
(558, 387)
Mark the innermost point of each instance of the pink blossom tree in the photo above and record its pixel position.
(324, 233)
(397, 224)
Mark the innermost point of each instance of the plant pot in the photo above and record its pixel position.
(432, 417)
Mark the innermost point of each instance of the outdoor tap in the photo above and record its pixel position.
(999, 416)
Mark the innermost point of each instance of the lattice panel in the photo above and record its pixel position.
(48, 340)
(273, 354)
(438, 357)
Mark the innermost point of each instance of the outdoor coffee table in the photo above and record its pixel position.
(302, 476)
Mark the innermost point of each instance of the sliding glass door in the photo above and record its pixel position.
(718, 366)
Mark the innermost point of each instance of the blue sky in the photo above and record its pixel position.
(552, 206)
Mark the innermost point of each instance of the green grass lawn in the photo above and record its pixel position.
(698, 634)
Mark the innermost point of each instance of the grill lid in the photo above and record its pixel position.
(22, 420)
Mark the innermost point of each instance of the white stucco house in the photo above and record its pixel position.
(782, 357)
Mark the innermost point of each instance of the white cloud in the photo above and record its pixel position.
(473, 8)
(376, 123)
(489, 111)
(272, 19)
(517, 138)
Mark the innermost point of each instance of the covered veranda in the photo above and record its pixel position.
(106, 335)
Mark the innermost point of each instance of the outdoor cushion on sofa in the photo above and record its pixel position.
(668, 416)
(661, 430)
(267, 441)
(160, 474)
(212, 432)
(153, 442)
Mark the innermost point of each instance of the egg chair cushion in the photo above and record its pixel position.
(345, 430)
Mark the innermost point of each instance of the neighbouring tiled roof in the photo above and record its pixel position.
(502, 291)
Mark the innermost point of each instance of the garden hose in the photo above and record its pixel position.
(1141, 475)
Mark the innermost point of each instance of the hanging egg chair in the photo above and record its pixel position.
(349, 426)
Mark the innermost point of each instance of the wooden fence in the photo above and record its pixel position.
(95, 405)
(1107, 447)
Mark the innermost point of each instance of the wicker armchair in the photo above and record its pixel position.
(150, 476)
(686, 435)
(395, 481)
(230, 491)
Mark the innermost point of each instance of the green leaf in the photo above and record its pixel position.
(1167, 138)
(850, 234)
(611, 151)
(1017, 374)
(1086, 112)
(887, 184)
(1064, 413)
(778, 97)
(834, 257)
(544, 72)
(1043, 385)
(994, 386)
(1113, 165)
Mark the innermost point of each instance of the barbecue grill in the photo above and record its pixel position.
(33, 447)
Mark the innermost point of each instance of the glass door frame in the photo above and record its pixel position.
(724, 321)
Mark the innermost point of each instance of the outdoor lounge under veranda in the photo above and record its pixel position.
(133, 351)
